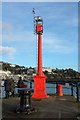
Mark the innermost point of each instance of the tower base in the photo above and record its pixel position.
(39, 87)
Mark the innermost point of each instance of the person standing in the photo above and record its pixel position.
(12, 87)
(20, 85)
(7, 85)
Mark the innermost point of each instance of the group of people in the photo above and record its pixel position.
(9, 87)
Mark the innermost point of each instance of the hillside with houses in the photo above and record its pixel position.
(13, 70)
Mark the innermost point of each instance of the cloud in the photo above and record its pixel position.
(24, 42)
(54, 44)
(73, 22)
(0, 25)
(5, 50)
(21, 36)
(51, 42)
(7, 27)
(64, 14)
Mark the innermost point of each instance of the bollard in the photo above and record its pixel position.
(22, 100)
(25, 101)
(60, 93)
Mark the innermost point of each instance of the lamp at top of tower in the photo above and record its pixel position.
(38, 23)
(38, 19)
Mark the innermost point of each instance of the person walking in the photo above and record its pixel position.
(7, 85)
(12, 86)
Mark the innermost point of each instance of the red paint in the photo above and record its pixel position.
(40, 78)
(39, 28)
(40, 55)
(24, 86)
(39, 87)
(60, 92)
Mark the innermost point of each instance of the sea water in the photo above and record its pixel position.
(50, 89)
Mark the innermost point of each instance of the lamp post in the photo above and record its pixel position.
(40, 78)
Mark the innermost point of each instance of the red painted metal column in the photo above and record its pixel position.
(40, 78)
(40, 54)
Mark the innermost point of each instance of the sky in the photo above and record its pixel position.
(60, 34)
(40, 0)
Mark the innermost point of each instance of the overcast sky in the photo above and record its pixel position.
(60, 35)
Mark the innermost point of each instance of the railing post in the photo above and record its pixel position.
(56, 88)
(71, 90)
(77, 92)
(30, 84)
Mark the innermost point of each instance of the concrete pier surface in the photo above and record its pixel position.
(52, 107)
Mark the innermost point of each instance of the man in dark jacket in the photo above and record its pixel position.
(7, 85)
(20, 85)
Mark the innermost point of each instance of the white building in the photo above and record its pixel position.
(3, 74)
(47, 69)
(12, 65)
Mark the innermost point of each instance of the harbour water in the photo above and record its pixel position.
(50, 89)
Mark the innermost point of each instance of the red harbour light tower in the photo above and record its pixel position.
(40, 78)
